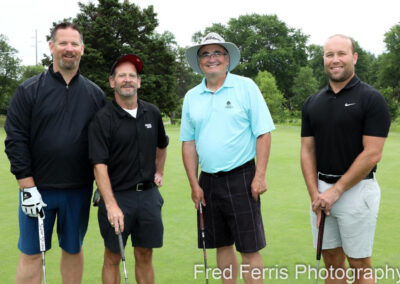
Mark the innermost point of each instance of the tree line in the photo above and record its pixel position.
(274, 55)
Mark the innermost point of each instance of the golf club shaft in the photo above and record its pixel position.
(42, 244)
(203, 237)
(320, 239)
(121, 248)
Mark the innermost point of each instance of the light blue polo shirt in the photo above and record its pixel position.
(225, 124)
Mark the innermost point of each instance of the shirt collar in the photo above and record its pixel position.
(122, 113)
(228, 83)
(353, 82)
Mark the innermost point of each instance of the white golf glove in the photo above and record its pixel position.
(32, 202)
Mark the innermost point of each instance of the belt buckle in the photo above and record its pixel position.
(138, 185)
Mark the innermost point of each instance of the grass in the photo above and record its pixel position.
(285, 209)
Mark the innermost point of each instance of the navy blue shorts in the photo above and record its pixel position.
(231, 216)
(71, 206)
(142, 219)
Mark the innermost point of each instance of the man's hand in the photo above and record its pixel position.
(325, 200)
(258, 187)
(31, 201)
(158, 179)
(115, 217)
(198, 197)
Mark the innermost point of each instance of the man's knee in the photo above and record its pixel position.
(334, 257)
(30, 258)
(143, 255)
(111, 258)
(251, 258)
(360, 262)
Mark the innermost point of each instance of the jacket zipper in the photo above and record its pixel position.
(66, 98)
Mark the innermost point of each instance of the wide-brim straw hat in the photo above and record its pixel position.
(213, 38)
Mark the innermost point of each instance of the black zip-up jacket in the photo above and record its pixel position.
(46, 128)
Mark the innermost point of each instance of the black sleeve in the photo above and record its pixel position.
(377, 117)
(17, 127)
(99, 139)
(306, 129)
(162, 137)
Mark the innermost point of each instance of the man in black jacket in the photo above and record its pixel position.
(47, 147)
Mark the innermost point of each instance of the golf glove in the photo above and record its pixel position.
(32, 202)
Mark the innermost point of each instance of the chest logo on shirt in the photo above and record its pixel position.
(228, 105)
(349, 104)
(148, 125)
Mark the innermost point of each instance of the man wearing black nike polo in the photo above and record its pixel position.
(344, 127)
(127, 146)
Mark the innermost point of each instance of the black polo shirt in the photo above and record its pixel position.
(127, 145)
(338, 122)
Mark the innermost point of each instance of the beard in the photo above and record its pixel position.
(340, 77)
(124, 93)
(68, 65)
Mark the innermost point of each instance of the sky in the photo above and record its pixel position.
(26, 23)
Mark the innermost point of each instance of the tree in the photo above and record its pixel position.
(390, 75)
(9, 65)
(364, 67)
(392, 101)
(266, 44)
(30, 71)
(186, 79)
(111, 29)
(274, 98)
(316, 63)
(304, 85)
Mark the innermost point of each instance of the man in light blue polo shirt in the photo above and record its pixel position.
(225, 125)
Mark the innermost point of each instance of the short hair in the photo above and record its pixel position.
(65, 25)
(353, 45)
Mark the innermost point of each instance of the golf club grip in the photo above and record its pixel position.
(121, 246)
(42, 242)
(320, 234)
(201, 218)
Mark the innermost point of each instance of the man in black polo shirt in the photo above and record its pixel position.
(344, 127)
(127, 146)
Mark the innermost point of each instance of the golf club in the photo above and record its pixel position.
(203, 237)
(121, 248)
(42, 242)
(319, 243)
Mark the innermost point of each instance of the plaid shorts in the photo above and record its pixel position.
(231, 216)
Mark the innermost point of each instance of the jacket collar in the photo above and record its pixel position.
(142, 108)
(59, 77)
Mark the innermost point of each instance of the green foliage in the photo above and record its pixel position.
(9, 65)
(30, 71)
(389, 74)
(274, 98)
(316, 63)
(364, 67)
(391, 96)
(304, 85)
(266, 44)
(186, 79)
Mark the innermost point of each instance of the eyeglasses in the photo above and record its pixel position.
(216, 54)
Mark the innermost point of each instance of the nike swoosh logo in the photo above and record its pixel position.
(346, 104)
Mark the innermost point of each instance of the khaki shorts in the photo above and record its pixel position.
(352, 221)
